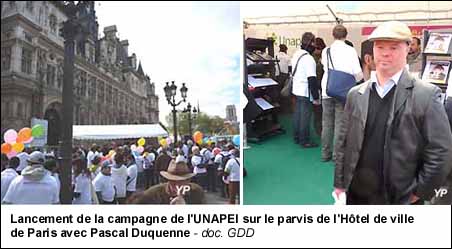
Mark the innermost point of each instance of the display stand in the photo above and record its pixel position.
(259, 75)
(436, 66)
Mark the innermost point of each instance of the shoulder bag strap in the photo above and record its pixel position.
(328, 56)
(296, 65)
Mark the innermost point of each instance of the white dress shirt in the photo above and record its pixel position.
(383, 90)
(284, 63)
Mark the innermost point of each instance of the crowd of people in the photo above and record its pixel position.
(179, 173)
(390, 140)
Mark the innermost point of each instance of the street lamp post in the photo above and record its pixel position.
(71, 31)
(189, 110)
(170, 94)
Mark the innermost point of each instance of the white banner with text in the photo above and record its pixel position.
(225, 226)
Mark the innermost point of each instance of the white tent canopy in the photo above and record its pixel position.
(104, 132)
(273, 12)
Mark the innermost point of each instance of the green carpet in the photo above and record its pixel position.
(283, 173)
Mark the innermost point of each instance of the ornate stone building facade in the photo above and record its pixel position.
(110, 87)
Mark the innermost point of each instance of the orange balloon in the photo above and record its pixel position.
(18, 147)
(23, 135)
(6, 148)
(197, 136)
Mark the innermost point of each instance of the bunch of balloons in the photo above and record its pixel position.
(137, 150)
(15, 141)
(164, 142)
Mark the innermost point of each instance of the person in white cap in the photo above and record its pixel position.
(34, 186)
(394, 143)
(103, 185)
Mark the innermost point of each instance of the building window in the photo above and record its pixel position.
(6, 58)
(91, 54)
(53, 23)
(29, 6)
(109, 95)
(20, 110)
(9, 109)
(60, 78)
(83, 84)
(26, 60)
(101, 92)
(50, 75)
(116, 97)
(28, 37)
(92, 88)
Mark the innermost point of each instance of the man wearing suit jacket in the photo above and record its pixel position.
(395, 143)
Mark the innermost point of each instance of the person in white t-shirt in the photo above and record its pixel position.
(103, 185)
(232, 170)
(34, 186)
(132, 174)
(91, 154)
(306, 90)
(345, 59)
(119, 178)
(9, 174)
(199, 168)
(82, 183)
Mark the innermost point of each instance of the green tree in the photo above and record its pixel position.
(204, 123)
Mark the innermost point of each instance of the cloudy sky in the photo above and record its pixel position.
(198, 43)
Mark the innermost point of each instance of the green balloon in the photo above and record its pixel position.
(37, 131)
